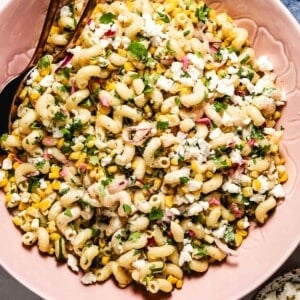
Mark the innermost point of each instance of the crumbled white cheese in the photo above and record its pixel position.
(15, 198)
(174, 211)
(190, 198)
(231, 187)
(139, 264)
(257, 198)
(88, 278)
(106, 161)
(227, 119)
(246, 223)
(215, 133)
(225, 87)
(33, 75)
(236, 157)
(197, 207)
(7, 164)
(47, 81)
(194, 185)
(185, 254)
(264, 64)
(25, 197)
(262, 83)
(43, 184)
(65, 11)
(213, 80)
(278, 191)
(57, 133)
(164, 83)
(269, 130)
(248, 84)
(72, 262)
(219, 233)
(151, 29)
(232, 70)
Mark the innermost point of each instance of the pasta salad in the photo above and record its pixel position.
(147, 151)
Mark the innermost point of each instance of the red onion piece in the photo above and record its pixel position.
(64, 62)
(117, 185)
(224, 248)
(205, 121)
(138, 134)
(185, 63)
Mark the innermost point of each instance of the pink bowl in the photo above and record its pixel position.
(273, 32)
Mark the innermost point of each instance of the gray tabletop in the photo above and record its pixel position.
(10, 289)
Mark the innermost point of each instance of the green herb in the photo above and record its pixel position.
(35, 125)
(41, 164)
(94, 160)
(155, 269)
(102, 190)
(245, 59)
(138, 50)
(95, 231)
(64, 72)
(220, 106)
(60, 256)
(134, 237)
(162, 125)
(239, 147)
(59, 116)
(260, 151)
(155, 214)
(180, 158)
(168, 49)
(242, 73)
(137, 251)
(218, 55)
(106, 182)
(127, 208)
(201, 251)
(44, 62)
(178, 101)
(202, 13)
(184, 180)
(63, 191)
(107, 18)
(134, 76)
(68, 212)
(256, 133)
(187, 32)
(147, 186)
(76, 125)
(4, 137)
(33, 183)
(164, 17)
(148, 88)
(229, 235)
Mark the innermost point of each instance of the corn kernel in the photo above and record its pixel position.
(35, 197)
(23, 93)
(242, 232)
(196, 242)
(16, 164)
(256, 185)
(169, 200)
(34, 95)
(105, 260)
(54, 236)
(284, 177)
(172, 279)
(102, 243)
(40, 192)
(274, 149)
(179, 284)
(54, 30)
(122, 52)
(209, 174)
(174, 162)
(55, 184)
(128, 66)
(156, 184)
(74, 155)
(160, 68)
(3, 182)
(247, 191)
(110, 86)
(199, 177)
(195, 166)
(112, 169)
(45, 71)
(277, 115)
(60, 143)
(254, 174)
(238, 239)
(44, 204)
(22, 206)
(18, 221)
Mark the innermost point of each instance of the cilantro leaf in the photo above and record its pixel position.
(138, 50)
(229, 235)
(127, 208)
(220, 106)
(184, 180)
(107, 18)
(134, 236)
(164, 17)
(202, 13)
(94, 160)
(68, 212)
(44, 62)
(155, 214)
(162, 125)
(256, 133)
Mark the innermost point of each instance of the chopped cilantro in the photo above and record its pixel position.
(33, 183)
(107, 18)
(134, 236)
(137, 251)
(138, 50)
(245, 59)
(35, 125)
(59, 116)
(127, 208)
(155, 214)
(63, 191)
(68, 212)
(162, 125)
(147, 186)
(4, 137)
(41, 164)
(201, 251)
(164, 17)
(44, 62)
(220, 106)
(184, 180)
(156, 269)
(256, 133)
(229, 235)
(178, 101)
(106, 182)
(95, 231)
(187, 32)
(260, 151)
(202, 13)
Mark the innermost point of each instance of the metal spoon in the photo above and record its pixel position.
(10, 93)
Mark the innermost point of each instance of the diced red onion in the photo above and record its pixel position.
(64, 62)
(205, 121)
(185, 63)
(224, 248)
(117, 185)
